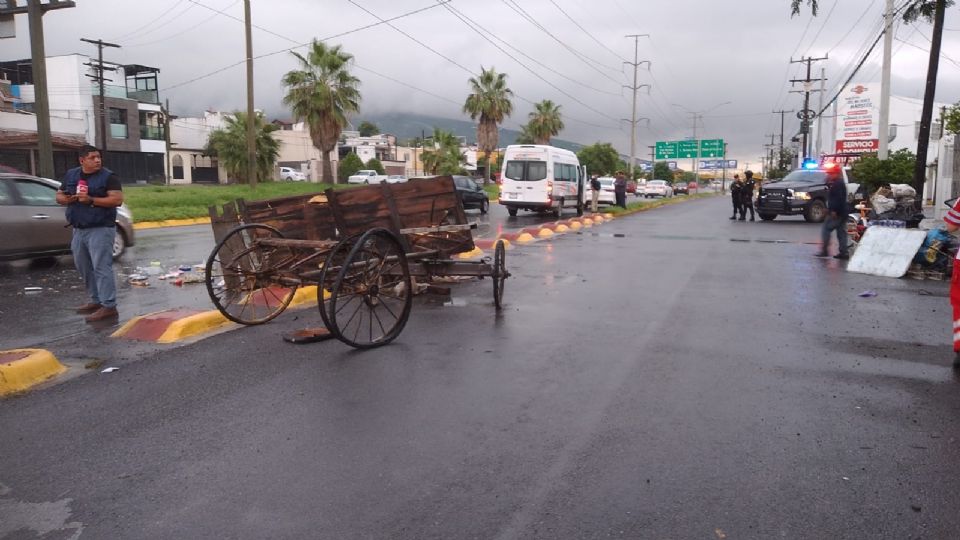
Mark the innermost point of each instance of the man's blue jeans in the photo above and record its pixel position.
(838, 223)
(93, 254)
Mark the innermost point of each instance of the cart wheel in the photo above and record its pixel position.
(371, 299)
(328, 276)
(245, 280)
(500, 273)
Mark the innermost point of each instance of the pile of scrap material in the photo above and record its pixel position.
(896, 203)
(935, 257)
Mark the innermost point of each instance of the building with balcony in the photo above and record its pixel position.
(134, 142)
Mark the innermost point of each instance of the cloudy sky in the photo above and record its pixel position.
(703, 53)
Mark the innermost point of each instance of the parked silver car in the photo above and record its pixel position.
(33, 225)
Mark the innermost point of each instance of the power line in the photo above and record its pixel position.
(591, 63)
(184, 31)
(587, 32)
(155, 25)
(288, 49)
(464, 19)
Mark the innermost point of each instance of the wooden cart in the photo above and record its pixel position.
(361, 246)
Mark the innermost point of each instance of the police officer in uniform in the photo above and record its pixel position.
(746, 196)
(735, 195)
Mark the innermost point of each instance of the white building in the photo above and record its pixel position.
(134, 145)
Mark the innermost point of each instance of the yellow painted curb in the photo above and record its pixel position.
(170, 223)
(475, 252)
(34, 368)
(587, 222)
(562, 228)
(506, 243)
(305, 295)
(608, 216)
(575, 225)
(193, 325)
(597, 220)
(525, 238)
(545, 233)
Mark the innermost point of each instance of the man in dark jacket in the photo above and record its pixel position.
(836, 215)
(735, 195)
(746, 197)
(620, 189)
(92, 194)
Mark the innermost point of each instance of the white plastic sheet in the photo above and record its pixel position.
(886, 251)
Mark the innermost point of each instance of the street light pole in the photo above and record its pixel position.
(633, 117)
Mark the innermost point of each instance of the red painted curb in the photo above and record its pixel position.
(512, 237)
(485, 243)
(151, 327)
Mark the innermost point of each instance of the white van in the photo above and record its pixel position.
(541, 178)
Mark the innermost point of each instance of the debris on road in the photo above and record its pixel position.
(867, 294)
(110, 370)
(29, 290)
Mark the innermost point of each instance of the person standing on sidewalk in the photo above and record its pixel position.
(746, 196)
(92, 194)
(952, 219)
(620, 189)
(836, 215)
(735, 195)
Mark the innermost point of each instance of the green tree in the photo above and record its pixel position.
(229, 145)
(322, 93)
(661, 171)
(349, 166)
(544, 121)
(874, 173)
(599, 158)
(444, 157)
(489, 102)
(368, 129)
(525, 137)
(375, 164)
(952, 118)
(916, 9)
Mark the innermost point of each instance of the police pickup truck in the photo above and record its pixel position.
(802, 192)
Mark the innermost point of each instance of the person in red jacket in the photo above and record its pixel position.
(952, 219)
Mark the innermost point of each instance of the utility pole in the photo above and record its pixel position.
(806, 115)
(251, 114)
(165, 111)
(781, 113)
(923, 142)
(823, 91)
(884, 129)
(35, 11)
(101, 83)
(723, 182)
(633, 116)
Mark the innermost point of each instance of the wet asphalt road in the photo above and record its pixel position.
(45, 317)
(667, 375)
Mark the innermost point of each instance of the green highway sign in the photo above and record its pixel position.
(711, 148)
(687, 149)
(666, 150)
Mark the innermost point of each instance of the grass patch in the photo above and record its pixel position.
(646, 204)
(157, 203)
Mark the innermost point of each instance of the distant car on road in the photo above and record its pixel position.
(658, 188)
(396, 179)
(33, 225)
(693, 187)
(679, 188)
(367, 176)
(471, 194)
(292, 175)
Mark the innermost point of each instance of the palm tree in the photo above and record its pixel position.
(544, 122)
(229, 145)
(490, 102)
(445, 157)
(525, 137)
(322, 93)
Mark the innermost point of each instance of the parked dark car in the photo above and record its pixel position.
(681, 187)
(471, 194)
(802, 192)
(33, 225)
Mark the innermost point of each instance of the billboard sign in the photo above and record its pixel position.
(717, 164)
(858, 119)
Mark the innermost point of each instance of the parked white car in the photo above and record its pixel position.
(607, 195)
(292, 175)
(658, 188)
(396, 179)
(367, 176)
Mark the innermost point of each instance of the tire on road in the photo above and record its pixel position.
(816, 212)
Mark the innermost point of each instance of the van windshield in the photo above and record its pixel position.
(526, 171)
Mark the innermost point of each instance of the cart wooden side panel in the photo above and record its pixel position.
(301, 217)
(418, 203)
